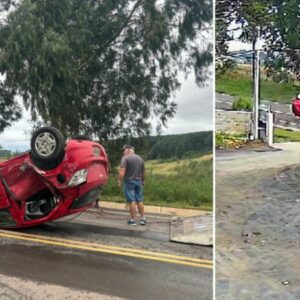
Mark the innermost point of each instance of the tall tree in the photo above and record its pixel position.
(5, 5)
(275, 21)
(103, 66)
(283, 43)
(10, 110)
(224, 17)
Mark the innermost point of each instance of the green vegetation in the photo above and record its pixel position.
(275, 21)
(283, 135)
(242, 104)
(184, 183)
(241, 86)
(224, 140)
(183, 145)
(100, 68)
(167, 147)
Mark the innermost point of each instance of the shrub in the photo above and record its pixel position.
(232, 141)
(190, 185)
(242, 104)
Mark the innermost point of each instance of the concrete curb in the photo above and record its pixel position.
(157, 209)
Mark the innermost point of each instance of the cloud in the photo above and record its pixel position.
(17, 137)
(195, 109)
(238, 45)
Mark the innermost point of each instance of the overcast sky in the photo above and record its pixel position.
(235, 45)
(194, 113)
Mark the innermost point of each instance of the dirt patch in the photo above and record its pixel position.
(255, 145)
(240, 144)
(258, 233)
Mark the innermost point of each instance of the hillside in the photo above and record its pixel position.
(163, 147)
(186, 183)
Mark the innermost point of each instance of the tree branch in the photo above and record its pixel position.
(139, 3)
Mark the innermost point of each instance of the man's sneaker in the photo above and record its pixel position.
(143, 221)
(131, 222)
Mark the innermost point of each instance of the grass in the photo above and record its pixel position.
(229, 141)
(225, 141)
(156, 167)
(241, 103)
(239, 83)
(182, 184)
(283, 135)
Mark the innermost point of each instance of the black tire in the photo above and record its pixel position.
(47, 148)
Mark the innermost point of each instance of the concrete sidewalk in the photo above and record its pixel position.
(189, 226)
(149, 209)
(244, 161)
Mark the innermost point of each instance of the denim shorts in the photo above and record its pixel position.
(133, 190)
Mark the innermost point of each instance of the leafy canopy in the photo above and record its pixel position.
(276, 21)
(103, 67)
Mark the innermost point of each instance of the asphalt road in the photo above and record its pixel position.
(101, 258)
(283, 116)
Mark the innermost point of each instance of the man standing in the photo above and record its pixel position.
(132, 173)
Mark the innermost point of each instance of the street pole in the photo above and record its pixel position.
(270, 126)
(256, 96)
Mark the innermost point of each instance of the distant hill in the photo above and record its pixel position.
(5, 153)
(163, 147)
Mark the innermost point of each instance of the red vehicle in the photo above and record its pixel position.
(296, 105)
(54, 179)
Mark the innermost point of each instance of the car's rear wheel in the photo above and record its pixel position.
(47, 148)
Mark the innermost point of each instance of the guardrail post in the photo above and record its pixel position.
(270, 126)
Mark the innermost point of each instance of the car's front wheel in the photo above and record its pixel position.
(47, 148)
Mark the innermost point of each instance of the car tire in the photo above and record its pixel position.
(47, 148)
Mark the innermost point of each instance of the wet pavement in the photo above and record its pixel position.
(36, 264)
(110, 226)
(257, 225)
(100, 273)
(283, 115)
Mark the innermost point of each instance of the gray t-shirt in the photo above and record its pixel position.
(134, 166)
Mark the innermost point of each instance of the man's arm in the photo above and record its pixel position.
(143, 174)
(121, 176)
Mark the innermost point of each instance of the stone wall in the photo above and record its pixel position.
(233, 122)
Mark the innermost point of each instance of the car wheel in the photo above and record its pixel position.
(47, 148)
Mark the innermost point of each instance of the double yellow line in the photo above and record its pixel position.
(137, 253)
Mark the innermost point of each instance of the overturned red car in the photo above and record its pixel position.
(54, 179)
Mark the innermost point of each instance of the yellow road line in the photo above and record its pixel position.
(138, 251)
(99, 248)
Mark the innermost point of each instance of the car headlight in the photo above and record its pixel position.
(78, 177)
